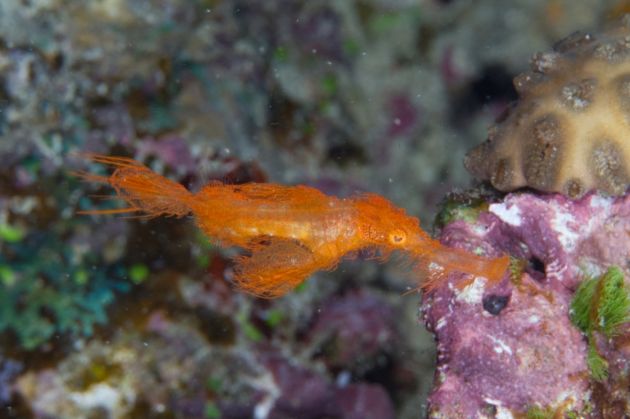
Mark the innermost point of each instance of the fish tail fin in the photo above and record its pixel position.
(145, 192)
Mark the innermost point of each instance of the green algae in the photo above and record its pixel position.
(138, 273)
(600, 305)
(458, 207)
(11, 234)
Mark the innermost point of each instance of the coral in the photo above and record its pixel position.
(305, 394)
(9, 369)
(505, 348)
(169, 366)
(286, 90)
(354, 331)
(36, 302)
(567, 132)
(49, 283)
(110, 377)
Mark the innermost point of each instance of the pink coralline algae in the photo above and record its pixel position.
(296, 392)
(511, 349)
(355, 330)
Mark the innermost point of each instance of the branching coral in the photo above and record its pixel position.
(50, 285)
(36, 301)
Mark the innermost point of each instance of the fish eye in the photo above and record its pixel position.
(397, 237)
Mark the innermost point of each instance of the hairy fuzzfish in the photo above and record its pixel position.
(290, 232)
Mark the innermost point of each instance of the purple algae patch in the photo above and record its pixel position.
(510, 346)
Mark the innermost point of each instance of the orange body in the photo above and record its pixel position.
(289, 232)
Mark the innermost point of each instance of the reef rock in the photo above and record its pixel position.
(511, 349)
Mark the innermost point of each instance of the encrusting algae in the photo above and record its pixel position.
(290, 232)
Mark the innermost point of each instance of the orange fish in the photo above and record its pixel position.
(289, 232)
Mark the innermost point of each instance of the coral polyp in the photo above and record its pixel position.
(567, 132)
